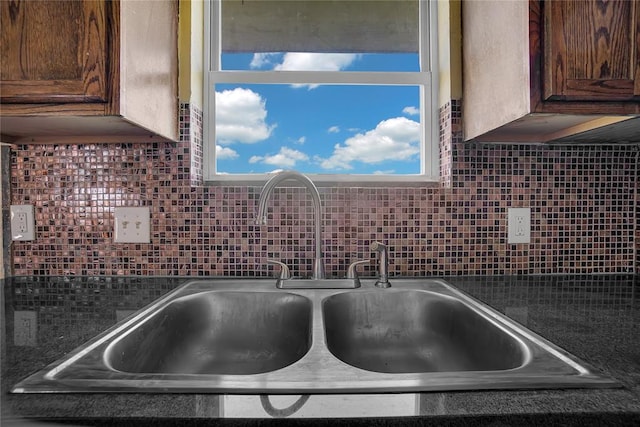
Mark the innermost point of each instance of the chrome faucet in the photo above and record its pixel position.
(383, 264)
(261, 215)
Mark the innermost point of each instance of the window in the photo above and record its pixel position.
(340, 90)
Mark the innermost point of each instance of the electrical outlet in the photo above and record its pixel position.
(519, 225)
(25, 328)
(131, 225)
(22, 223)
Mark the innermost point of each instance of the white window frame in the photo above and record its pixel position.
(426, 79)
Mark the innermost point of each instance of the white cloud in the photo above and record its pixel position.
(411, 110)
(298, 141)
(333, 129)
(393, 139)
(262, 60)
(286, 158)
(225, 153)
(301, 61)
(241, 117)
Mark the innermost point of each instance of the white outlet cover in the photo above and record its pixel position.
(22, 223)
(519, 225)
(131, 225)
(25, 328)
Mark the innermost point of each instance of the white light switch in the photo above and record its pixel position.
(519, 225)
(22, 223)
(131, 225)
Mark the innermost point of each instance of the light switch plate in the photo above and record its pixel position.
(519, 225)
(131, 225)
(22, 223)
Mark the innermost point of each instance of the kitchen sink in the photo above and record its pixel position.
(245, 336)
(217, 333)
(430, 333)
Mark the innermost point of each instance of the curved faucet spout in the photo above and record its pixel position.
(261, 215)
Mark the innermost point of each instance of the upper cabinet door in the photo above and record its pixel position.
(592, 50)
(53, 51)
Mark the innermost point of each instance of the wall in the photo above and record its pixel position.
(5, 222)
(449, 50)
(190, 49)
(584, 202)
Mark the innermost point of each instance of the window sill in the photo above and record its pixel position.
(327, 180)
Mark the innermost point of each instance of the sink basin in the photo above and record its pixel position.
(218, 333)
(246, 336)
(430, 333)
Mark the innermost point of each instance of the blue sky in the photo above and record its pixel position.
(321, 129)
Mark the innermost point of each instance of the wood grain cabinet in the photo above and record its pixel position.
(543, 71)
(592, 50)
(88, 70)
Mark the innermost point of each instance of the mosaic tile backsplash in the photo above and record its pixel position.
(585, 203)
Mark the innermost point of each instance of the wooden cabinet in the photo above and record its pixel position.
(88, 70)
(70, 67)
(546, 71)
(592, 50)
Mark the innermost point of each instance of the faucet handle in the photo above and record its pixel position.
(284, 270)
(352, 273)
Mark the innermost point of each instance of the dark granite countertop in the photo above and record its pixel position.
(596, 318)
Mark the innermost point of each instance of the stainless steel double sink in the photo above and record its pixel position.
(246, 336)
